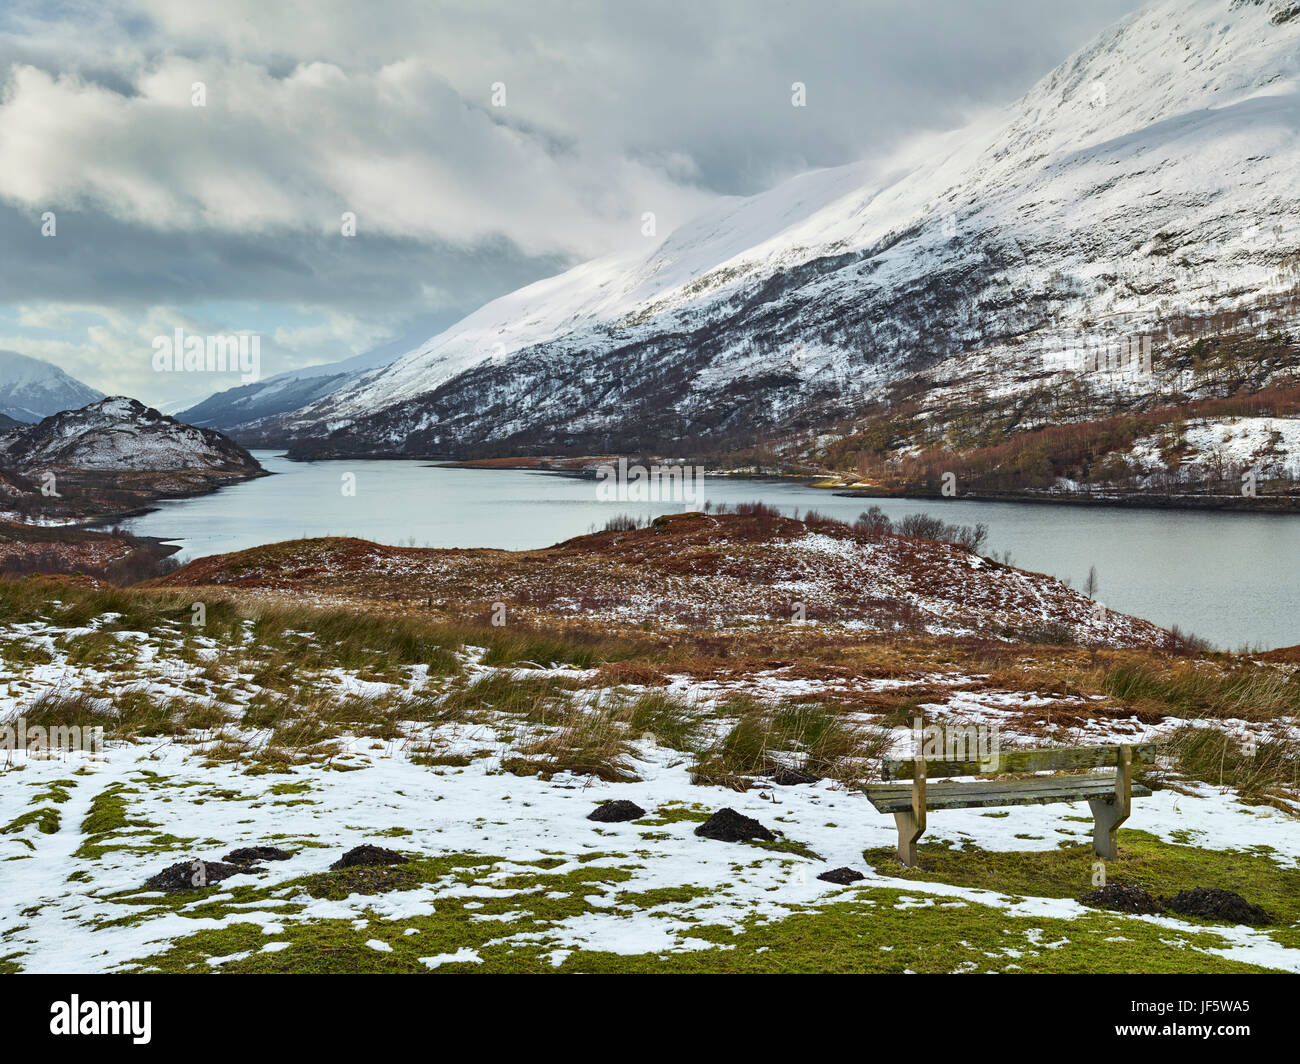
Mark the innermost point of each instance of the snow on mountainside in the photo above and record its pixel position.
(31, 389)
(282, 393)
(1149, 178)
(119, 435)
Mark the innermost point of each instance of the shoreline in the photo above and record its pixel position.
(1265, 504)
(1269, 504)
(96, 522)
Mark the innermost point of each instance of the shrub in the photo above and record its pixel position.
(875, 523)
(927, 526)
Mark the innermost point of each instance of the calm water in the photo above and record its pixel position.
(1231, 578)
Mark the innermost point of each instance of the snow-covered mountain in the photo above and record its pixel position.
(31, 389)
(1149, 179)
(282, 393)
(120, 435)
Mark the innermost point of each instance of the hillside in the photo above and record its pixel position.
(114, 456)
(268, 737)
(1144, 188)
(281, 393)
(714, 572)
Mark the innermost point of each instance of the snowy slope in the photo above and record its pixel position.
(284, 392)
(119, 435)
(31, 389)
(1151, 175)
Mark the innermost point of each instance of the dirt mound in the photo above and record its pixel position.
(615, 812)
(253, 854)
(181, 875)
(367, 856)
(843, 876)
(362, 879)
(790, 777)
(1122, 898)
(1215, 904)
(726, 825)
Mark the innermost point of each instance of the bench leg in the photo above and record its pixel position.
(908, 832)
(1107, 816)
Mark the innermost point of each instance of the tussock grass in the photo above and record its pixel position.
(320, 639)
(134, 713)
(810, 736)
(538, 698)
(674, 722)
(58, 709)
(1248, 691)
(1205, 753)
(592, 739)
(574, 647)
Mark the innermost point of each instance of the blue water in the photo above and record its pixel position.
(1232, 578)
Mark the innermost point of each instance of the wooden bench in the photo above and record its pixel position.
(1109, 795)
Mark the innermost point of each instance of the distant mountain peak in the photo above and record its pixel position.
(31, 388)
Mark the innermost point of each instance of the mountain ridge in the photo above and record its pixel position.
(1145, 183)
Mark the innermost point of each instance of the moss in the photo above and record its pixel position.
(1161, 868)
(650, 899)
(302, 787)
(56, 791)
(106, 819)
(676, 813)
(532, 903)
(45, 818)
(784, 845)
(878, 930)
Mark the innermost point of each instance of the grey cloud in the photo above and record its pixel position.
(613, 109)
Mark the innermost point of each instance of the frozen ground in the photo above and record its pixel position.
(523, 869)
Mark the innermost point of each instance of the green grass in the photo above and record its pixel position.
(872, 930)
(1161, 868)
(814, 737)
(108, 820)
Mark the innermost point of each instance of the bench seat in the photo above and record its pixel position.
(1041, 790)
(1109, 796)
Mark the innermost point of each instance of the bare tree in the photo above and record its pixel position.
(1091, 585)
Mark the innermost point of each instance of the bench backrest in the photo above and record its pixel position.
(1051, 759)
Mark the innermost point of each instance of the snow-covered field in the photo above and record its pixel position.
(527, 870)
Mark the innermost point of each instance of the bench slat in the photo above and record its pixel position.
(893, 798)
(1050, 759)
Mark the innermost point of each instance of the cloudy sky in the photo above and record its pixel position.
(480, 144)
